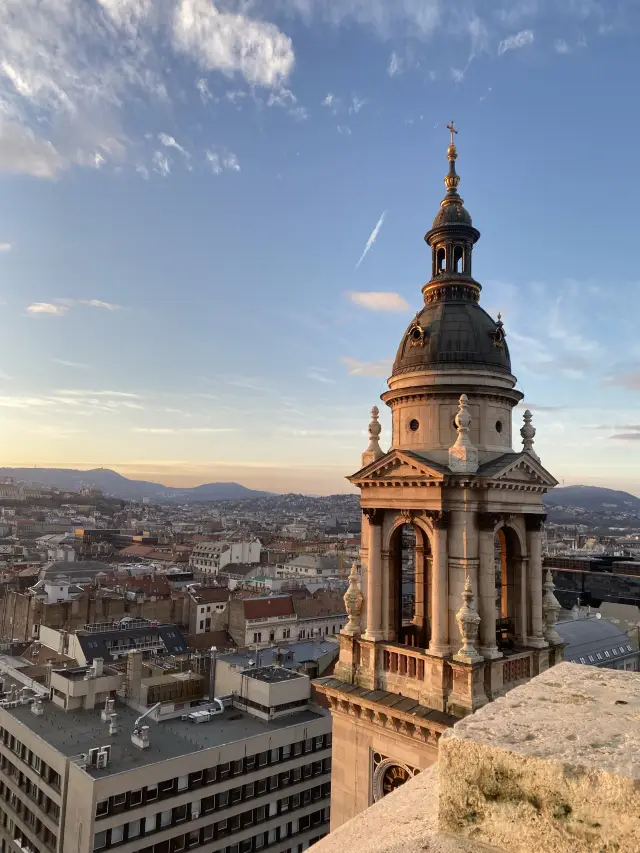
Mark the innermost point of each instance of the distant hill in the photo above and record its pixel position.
(112, 483)
(593, 499)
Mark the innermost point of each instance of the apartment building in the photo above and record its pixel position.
(250, 772)
(273, 619)
(212, 557)
(309, 567)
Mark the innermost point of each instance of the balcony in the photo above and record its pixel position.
(553, 766)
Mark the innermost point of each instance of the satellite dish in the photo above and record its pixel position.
(598, 615)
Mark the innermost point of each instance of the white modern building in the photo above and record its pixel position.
(212, 557)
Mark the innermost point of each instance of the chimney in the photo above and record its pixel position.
(140, 737)
(113, 724)
(212, 672)
(37, 707)
(98, 667)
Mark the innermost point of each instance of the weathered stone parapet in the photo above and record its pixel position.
(553, 766)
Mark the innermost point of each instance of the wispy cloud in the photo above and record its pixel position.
(561, 46)
(182, 430)
(368, 368)
(47, 308)
(203, 88)
(5, 247)
(516, 41)
(74, 364)
(319, 375)
(357, 104)
(60, 307)
(343, 130)
(379, 300)
(161, 163)
(77, 392)
(629, 380)
(372, 239)
(395, 65)
(220, 161)
(171, 142)
(70, 106)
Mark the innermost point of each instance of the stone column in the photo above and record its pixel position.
(374, 576)
(521, 600)
(535, 637)
(419, 615)
(364, 565)
(487, 586)
(439, 644)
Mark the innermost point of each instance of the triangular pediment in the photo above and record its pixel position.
(397, 465)
(520, 469)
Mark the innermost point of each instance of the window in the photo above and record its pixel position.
(167, 786)
(308, 745)
(135, 798)
(284, 804)
(615, 651)
(238, 767)
(177, 844)
(275, 756)
(498, 426)
(250, 762)
(225, 769)
(102, 808)
(193, 838)
(165, 818)
(150, 824)
(297, 748)
(262, 759)
(202, 624)
(257, 637)
(286, 751)
(621, 650)
(261, 786)
(223, 799)
(607, 655)
(236, 795)
(118, 801)
(261, 813)
(99, 840)
(598, 655)
(440, 259)
(582, 660)
(249, 790)
(414, 425)
(179, 813)
(152, 793)
(117, 834)
(207, 833)
(134, 829)
(210, 775)
(591, 658)
(183, 783)
(297, 774)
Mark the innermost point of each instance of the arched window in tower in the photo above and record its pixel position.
(410, 581)
(441, 259)
(508, 594)
(458, 259)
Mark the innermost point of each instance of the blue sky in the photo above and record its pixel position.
(187, 191)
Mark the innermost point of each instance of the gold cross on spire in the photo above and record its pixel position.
(451, 128)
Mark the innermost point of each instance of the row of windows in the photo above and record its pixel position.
(598, 655)
(266, 709)
(28, 757)
(218, 831)
(38, 796)
(243, 793)
(218, 773)
(36, 826)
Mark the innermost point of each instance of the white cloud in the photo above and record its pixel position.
(161, 164)
(203, 87)
(395, 65)
(561, 46)
(368, 368)
(343, 130)
(47, 308)
(142, 170)
(379, 300)
(170, 142)
(233, 43)
(356, 104)
(5, 247)
(372, 239)
(69, 105)
(221, 161)
(515, 42)
(98, 303)
(329, 100)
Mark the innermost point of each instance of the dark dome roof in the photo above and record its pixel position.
(452, 214)
(455, 332)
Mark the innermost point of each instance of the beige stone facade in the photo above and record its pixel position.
(474, 506)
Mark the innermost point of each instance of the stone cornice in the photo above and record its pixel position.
(409, 725)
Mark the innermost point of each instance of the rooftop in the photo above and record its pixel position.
(74, 732)
(272, 674)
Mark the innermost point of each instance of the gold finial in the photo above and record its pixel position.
(499, 316)
(451, 128)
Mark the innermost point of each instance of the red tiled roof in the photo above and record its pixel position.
(210, 594)
(261, 608)
(219, 639)
(158, 585)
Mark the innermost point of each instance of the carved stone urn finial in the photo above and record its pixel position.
(550, 609)
(353, 602)
(373, 451)
(468, 625)
(528, 433)
(463, 456)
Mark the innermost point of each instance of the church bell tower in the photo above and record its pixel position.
(449, 611)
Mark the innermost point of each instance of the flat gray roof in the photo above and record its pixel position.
(272, 674)
(74, 732)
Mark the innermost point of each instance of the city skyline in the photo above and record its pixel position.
(211, 227)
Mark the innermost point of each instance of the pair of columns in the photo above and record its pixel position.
(527, 586)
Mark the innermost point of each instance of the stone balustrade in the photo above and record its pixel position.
(552, 766)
